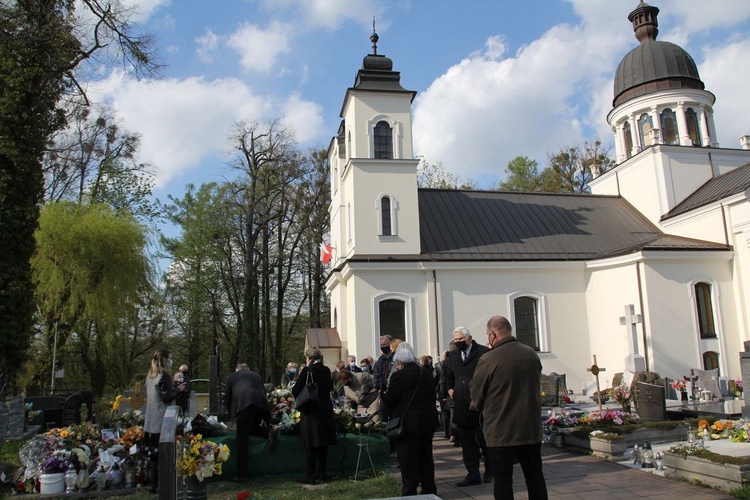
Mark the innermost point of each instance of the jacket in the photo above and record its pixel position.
(160, 391)
(458, 375)
(507, 389)
(317, 428)
(244, 389)
(421, 416)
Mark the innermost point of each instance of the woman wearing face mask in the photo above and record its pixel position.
(365, 365)
(160, 391)
(289, 378)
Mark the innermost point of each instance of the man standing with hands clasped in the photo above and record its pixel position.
(459, 370)
(507, 390)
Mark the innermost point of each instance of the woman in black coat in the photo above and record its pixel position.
(316, 427)
(420, 420)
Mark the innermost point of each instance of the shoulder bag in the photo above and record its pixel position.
(395, 428)
(307, 401)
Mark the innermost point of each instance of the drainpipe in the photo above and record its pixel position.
(643, 315)
(437, 314)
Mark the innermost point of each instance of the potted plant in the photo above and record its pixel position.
(199, 459)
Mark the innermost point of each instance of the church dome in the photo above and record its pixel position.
(653, 65)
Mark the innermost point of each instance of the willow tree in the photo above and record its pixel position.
(43, 45)
(90, 271)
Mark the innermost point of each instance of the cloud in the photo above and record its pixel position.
(184, 123)
(325, 13)
(304, 117)
(207, 44)
(259, 49)
(144, 8)
(495, 105)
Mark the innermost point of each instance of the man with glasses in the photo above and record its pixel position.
(507, 390)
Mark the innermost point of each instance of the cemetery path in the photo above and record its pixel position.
(569, 476)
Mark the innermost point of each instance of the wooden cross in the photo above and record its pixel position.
(137, 399)
(595, 369)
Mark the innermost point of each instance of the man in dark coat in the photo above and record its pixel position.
(459, 369)
(246, 401)
(507, 390)
(381, 370)
(420, 420)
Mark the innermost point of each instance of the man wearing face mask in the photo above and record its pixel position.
(290, 375)
(459, 369)
(353, 367)
(381, 370)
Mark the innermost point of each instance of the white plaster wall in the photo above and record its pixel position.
(363, 107)
(703, 224)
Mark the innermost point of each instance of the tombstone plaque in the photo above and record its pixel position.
(708, 380)
(16, 416)
(649, 401)
(549, 390)
(3, 419)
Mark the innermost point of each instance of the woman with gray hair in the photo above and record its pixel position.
(316, 427)
(411, 397)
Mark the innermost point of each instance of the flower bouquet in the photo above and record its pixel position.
(622, 395)
(200, 458)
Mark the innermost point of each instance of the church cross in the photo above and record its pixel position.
(634, 362)
(595, 369)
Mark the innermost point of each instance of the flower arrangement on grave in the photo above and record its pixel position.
(133, 436)
(608, 418)
(609, 436)
(622, 395)
(678, 385)
(200, 458)
(738, 387)
(734, 430)
(131, 418)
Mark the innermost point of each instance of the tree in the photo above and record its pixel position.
(90, 271)
(522, 174)
(41, 54)
(435, 176)
(570, 168)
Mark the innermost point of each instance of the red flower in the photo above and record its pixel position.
(243, 495)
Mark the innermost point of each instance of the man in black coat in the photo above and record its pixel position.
(459, 369)
(245, 398)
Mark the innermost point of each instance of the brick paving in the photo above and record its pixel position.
(569, 476)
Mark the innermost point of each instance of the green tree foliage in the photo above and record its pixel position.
(522, 174)
(91, 272)
(42, 46)
(569, 169)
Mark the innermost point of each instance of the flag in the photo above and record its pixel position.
(326, 252)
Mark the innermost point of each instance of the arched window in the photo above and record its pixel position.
(628, 140)
(383, 141)
(669, 127)
(706, 324)
(711, 360)
(526, 311)
(385, 216)
(392, 315)
(692, 125)
(644, 129)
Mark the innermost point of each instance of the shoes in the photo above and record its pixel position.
(322, 477)
(487, 477)
(452, 439)
(272, 439)
(240, 479)
(306, 480)
(468, 481)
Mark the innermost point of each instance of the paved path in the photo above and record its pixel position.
(569, 476)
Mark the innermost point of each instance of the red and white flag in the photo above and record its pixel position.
(326, 252)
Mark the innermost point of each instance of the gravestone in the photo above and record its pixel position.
(51, 408)
(16, 417)
(553, 386)
(745, 371)
(124, 405)
(3, 420)
(708, 380)
(72, 407)
(649, 401)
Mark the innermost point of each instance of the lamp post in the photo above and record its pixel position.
(58, 325)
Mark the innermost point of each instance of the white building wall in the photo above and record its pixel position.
(365, 109)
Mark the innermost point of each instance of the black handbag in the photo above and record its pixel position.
(395, 428)
(307, 401)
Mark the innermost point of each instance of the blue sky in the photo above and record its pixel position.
(494, 79)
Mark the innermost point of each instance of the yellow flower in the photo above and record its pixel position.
(116, 403)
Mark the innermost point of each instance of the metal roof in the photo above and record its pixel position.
(322, 337)
(733, 182)
(496, 225)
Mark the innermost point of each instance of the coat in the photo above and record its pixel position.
(507, 389)
(160, 391)
(458, 374)
(316, 428)
(421, 416)
(359, 395)
(244, 389)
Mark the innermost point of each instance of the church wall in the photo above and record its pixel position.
(671, 318)
(368, 108)
(701, 224)
(610, 286)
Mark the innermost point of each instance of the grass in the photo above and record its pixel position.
(384, 485)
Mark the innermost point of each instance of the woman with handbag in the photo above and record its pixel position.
(411, 398)
(316, 424)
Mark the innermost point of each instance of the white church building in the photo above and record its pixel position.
(651, 270)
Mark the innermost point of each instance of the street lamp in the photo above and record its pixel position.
(58, 325)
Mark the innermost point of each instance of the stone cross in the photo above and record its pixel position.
(634, 362)
(595, 369)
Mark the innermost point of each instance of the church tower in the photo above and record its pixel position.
(659, 97)
(374, 210)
